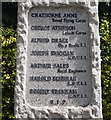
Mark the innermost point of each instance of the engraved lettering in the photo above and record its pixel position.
(62, 53)
(68, 33)
(56, 20)
(39, 65)
(56, 65)
(80, 33)
(41, 28)
(77, 45)
(80, 21)
(76, 71)
(40, 78)
(55, 15)
(59, 40)
(64, 78)
(64, 91)
(39, 40)
(70, 83)
(70, 15)
(63, 28)
(69, 20)
(61, 70)
(76, 57)
(39, 91)
(76, 96)
(39, 53)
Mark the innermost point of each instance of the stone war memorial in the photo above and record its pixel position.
(58, 60)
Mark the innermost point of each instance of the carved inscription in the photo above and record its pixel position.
(58, 57)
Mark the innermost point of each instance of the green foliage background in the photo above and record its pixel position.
(8, 71)
(105, 35)
(9, 68)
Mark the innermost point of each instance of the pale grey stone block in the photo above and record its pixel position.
(71, 51)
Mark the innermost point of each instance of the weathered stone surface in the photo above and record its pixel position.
(37, 105)
(58, 64)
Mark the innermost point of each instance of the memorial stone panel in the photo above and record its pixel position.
(58, 58)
